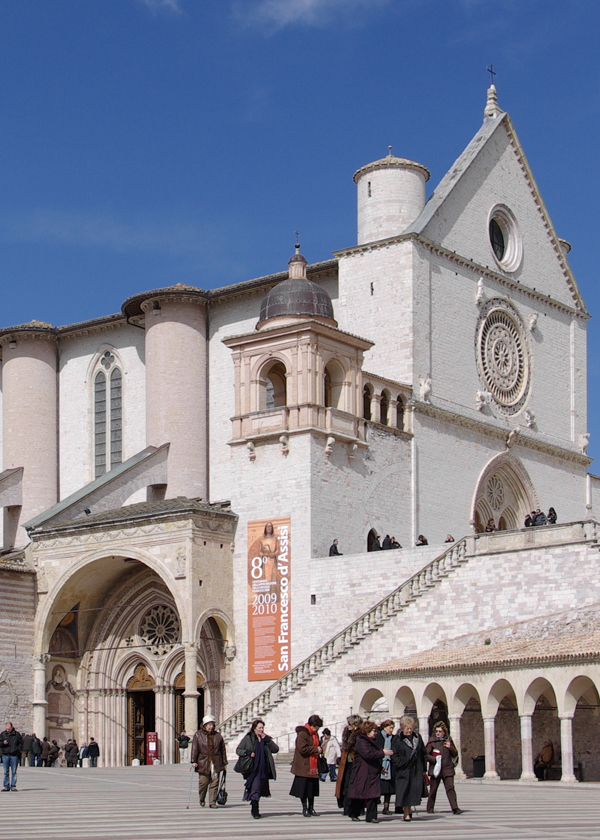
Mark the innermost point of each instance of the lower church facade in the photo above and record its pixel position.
(174, 475)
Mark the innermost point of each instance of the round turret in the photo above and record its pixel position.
(390, 196)
(296, 298)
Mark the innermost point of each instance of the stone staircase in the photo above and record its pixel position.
(366, 624)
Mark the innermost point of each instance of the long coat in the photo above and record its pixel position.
(409, 766)
(247, 746)
(304, 749)
(201, 752)
(367, 767)
(447, 755)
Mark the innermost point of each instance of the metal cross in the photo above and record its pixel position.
(297, 235)
(492, 72)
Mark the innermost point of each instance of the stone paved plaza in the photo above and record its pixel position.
(151, 803)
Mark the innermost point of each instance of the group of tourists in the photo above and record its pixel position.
(28, 750)
(538, 517)
(374, 762)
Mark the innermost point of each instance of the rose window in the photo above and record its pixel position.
(503, 359)
(495, 492)
(160, 629)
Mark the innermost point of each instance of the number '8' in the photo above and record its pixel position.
(256, 570)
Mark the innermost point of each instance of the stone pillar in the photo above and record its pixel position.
(489, 736)
(191, 689)
(176, 408)
(29, 409)
(455, 735)
(40, 704)
(566, 749)
(527, 774)
(424, 727)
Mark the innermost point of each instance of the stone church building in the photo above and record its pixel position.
(173, 476)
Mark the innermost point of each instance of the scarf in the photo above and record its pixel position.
(313, 759)
(386, 772)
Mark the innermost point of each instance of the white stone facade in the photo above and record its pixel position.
(439, 381)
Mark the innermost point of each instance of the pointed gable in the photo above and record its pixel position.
(493, 171)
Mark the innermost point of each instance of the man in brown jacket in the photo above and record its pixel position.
(209, 757)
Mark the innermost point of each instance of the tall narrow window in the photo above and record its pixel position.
(367, 402)
(116, 419)
(99, 424)
(108, 416)
(400, 413)
(384, 404)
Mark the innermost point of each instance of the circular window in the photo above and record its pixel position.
(505, 238)
(502, 356)
(159, 629)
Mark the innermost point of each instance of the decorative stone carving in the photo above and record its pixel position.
(159, 629)
(502, 356)
(480, 297)
(482, 398)
(352, 451)
(533, 319)
(180, 563)
(285, 444)
(495, 492)
(230, 652)
(251, 450)
(512, 438)
(329, 445)
(584, 442)
(529, 418)
(425, 389)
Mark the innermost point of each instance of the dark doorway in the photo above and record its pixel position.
(140, 719)
(180, 712)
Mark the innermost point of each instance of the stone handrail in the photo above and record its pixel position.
(343, 641)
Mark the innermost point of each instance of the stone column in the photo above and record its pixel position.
(40, 704)
(527, 774)
(566, 749)
(459, 773)
(191, 690)
(489, 736)
(424, 727)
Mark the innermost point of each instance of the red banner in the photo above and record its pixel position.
(269, 609)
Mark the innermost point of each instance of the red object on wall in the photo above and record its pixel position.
(151, 747)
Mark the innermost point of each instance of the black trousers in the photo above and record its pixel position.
(371, 809)
(433, 789)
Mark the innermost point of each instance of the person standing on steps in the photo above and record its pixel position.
(305, 765)
(184, 745)
(93, 752)
(209, 759)
(441, 753)
(259, 747)
(11, 743)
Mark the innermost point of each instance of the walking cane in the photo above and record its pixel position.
(190, 790)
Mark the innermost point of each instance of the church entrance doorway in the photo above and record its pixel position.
(141, 713)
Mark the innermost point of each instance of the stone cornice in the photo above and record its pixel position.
(400, 386)
(500, 432)
(471, 265)
(308, 325)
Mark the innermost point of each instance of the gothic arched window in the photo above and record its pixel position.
(400, 413)
(108, 416)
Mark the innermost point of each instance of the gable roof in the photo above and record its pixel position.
(441, 193)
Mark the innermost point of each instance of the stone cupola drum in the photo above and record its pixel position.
(296, 298)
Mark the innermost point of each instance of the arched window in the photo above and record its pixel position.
(108, 417)
(273, 392)
(400, 413)
(367, 395)
(384, 405)
(371, 537)
(333, 385)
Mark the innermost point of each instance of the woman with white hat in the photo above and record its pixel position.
(209, 757)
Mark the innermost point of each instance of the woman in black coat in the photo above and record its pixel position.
(260, 748)
(409, 762)
(364, 784)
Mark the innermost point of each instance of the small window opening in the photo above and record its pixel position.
(313, 599)
(369, 188)
(367, 402)
(384, 405)
(497, 240)
(400, 414)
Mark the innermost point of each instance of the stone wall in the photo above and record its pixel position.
(17, 597)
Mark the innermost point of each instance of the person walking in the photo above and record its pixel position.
(365, 785)
(334, 550)
(209, 758)
(342, 787)
(184, 745)
(26, 751)
(383, 739)
(409, 761)
(36, 751)
(305, 765)
(259, 747)
(11, 743)
(440, 754)
(332, 753)
(93, 752)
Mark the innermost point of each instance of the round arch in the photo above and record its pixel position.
(504, 485)
(500, 689)
(369, 698)
(579, 687)
(540, 686)
(404, 699)
(462, 696)
(335, 377)
(431, 695)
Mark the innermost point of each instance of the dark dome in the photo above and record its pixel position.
(297, 296)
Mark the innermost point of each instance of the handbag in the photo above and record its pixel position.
(244, 765)
(322, 765)
(222, 792)
(425, 792)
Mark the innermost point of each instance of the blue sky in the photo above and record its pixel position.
(150, 142)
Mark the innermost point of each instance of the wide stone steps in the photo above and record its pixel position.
(397, 601)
